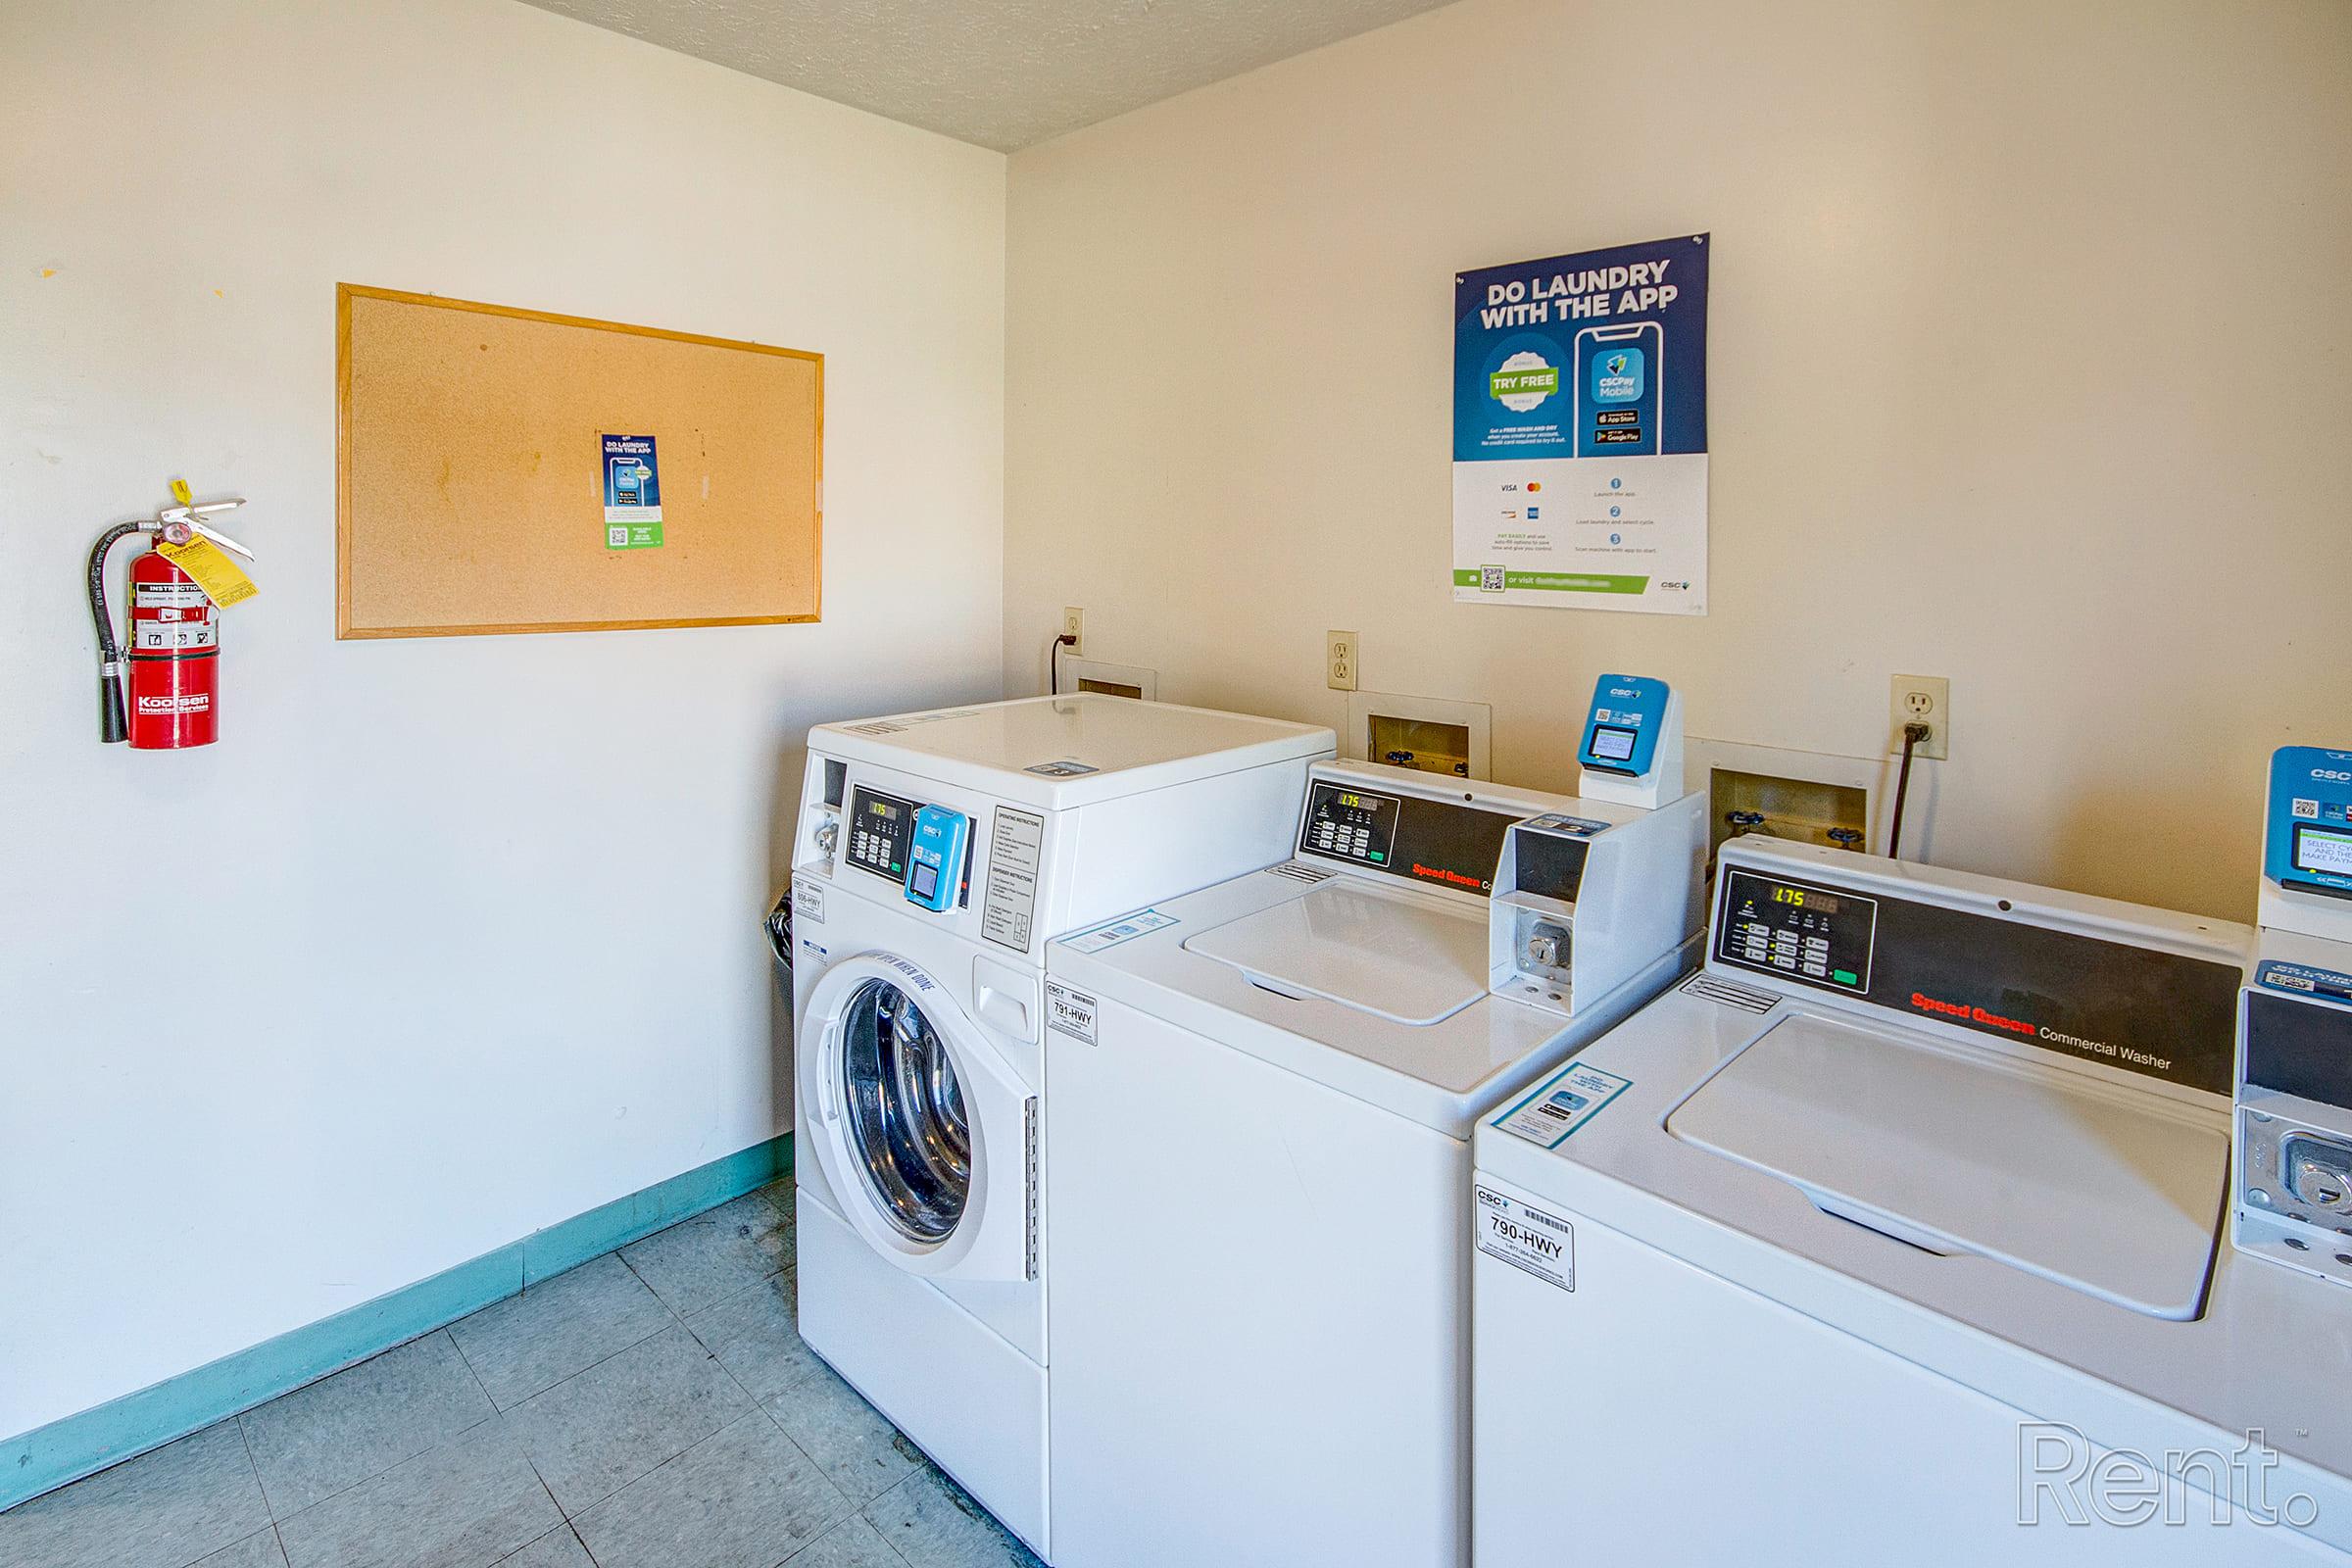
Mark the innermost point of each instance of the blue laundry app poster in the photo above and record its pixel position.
(632, 484)
(1580, 429)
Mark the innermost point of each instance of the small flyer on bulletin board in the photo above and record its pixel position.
(632, 493)
(1580, 430)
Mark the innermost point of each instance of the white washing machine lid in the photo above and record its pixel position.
(1406, 957)
(2268, 1351)
(1054, 753)
(1440, 1074)
(1952, 1149)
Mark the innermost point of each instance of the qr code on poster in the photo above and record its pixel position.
(1490, 579)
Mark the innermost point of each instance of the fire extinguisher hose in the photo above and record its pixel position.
(112, 725)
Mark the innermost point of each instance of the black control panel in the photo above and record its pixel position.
(2143, 1010)
(1349, 825)
(878, 833)
(1448, 844)
(1808, 933)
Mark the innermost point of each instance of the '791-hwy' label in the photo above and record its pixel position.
(1526, 1238)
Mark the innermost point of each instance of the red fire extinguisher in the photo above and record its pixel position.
(173, 660)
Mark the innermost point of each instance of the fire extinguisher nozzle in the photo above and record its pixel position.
(111, 726)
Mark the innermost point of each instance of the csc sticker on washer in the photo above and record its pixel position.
(1072, 1012)
(1526, 1238)
(1562, 1105)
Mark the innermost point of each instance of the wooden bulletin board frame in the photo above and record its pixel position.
(478, 486)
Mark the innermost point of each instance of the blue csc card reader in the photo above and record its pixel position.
(935, 861)
(1622, 727)
(2307, 840)
(1631, 748)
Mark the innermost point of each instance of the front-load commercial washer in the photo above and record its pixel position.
(1892, 1236)
(936, 855)
(1258, 1166)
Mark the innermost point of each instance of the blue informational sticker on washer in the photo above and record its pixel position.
(1621, 730)
(1562, 1103)
(2302, 980)
(1126, 928)
(1582, 827)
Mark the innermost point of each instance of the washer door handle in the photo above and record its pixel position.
(828, 1091)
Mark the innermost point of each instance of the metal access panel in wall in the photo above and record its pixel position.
(1432, 734)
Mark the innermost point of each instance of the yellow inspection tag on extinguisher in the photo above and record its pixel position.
(222, 580)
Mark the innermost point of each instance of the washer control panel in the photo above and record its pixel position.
(1792, 928)
(880, 832)
(1350, 824)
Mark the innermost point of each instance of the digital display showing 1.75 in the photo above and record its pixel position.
(1802, 898)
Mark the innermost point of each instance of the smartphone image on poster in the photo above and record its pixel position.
(1619, 372)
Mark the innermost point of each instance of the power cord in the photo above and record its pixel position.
(1053, 650)
(1913, 734)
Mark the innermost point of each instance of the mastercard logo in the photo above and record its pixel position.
(1532, 485)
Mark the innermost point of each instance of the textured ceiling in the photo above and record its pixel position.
(1004, 74)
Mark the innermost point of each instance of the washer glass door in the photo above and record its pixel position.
(906, 1131)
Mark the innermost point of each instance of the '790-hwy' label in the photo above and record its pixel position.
(1526, 1238)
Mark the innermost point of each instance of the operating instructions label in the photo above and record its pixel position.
(1008, 905)
(1526, 1238)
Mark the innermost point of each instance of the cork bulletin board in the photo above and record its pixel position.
(476, 481)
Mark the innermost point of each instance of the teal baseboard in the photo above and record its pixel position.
(67, 1449)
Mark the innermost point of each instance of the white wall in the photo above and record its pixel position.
(2031, 362)
(447, 939)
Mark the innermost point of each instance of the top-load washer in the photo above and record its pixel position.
(1257, 1156)
(936, 855)
(1892, 1236)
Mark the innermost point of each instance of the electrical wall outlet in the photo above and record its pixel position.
(1338, 660)
(1073, 627)
(1920, 700)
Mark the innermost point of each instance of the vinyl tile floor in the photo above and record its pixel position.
(653, 1408)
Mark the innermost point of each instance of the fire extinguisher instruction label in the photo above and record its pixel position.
(168, 631)
(218, 577)
(632, 485)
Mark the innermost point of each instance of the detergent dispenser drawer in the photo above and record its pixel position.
(2104, 1188)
